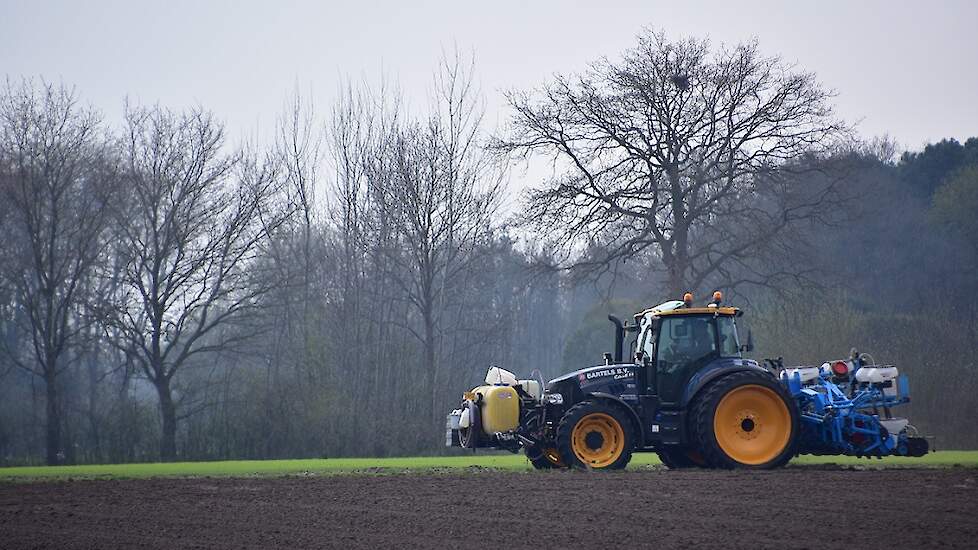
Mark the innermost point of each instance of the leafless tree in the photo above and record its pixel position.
(196, 220)
(299, 149)
(695, 156)
(296, 250)
(437, 194)
(56, 184)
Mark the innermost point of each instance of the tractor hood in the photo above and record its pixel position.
(599, 378)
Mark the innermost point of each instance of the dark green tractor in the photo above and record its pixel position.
(686, 393)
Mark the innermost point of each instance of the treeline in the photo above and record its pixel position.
(166, 294)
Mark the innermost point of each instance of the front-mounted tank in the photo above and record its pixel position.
(500, 408)
(491, 410)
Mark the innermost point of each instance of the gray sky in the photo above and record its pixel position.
(908, 69)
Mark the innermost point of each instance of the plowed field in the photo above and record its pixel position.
(796, 507)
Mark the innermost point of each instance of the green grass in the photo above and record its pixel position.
(939, 459)
(248, 468)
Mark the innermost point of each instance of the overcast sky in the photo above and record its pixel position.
(907, 69)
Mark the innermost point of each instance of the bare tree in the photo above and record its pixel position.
(437, 193)
(56, 184)
(299, 148)
(196, 220)
(293, 348)
(692, 155)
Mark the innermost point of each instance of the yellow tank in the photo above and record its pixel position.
(500, 408)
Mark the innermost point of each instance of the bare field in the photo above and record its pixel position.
(801, 507)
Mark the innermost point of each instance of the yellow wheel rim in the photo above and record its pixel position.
(752, 424)
(598, 440)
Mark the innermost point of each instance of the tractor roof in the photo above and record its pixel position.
(695, 311)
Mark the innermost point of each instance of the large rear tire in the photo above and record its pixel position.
(745, 420)
(596, 435)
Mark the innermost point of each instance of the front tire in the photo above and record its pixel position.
(745, 420)
(544, 459)
(470, 436)
(681, 457)
(595, 435)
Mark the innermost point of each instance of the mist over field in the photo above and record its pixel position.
(206, 257)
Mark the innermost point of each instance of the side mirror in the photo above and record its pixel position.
(749, 346)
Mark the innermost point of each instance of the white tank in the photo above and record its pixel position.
(532, 387)
(497, 376)
(807, 374)
(876, 375)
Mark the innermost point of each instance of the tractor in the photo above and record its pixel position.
(688, 394)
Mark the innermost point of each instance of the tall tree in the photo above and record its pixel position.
(55, 181)
(196, 220)
(436, 193)
(927, 170)
(681, 151)
(955, 204)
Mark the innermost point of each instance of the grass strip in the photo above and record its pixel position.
(250, 468)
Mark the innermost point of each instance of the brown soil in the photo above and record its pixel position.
(790, 508)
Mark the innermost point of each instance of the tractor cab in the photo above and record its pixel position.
(677, 344)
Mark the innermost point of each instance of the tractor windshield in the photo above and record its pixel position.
(726, 333)
(686, 340)
(685, 344)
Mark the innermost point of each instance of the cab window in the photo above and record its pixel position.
(729, 345)
(686, 345)
(686, 340)
(646, 342)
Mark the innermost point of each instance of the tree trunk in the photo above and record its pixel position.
(430, 369)
(429, 360)
(95, 453)
(55, 454)
(168, 414)
(677, 282)
(677, 258)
